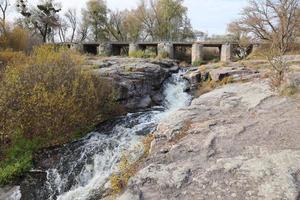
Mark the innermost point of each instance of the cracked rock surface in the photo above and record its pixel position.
(240, 141)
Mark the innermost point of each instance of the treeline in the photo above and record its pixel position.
(159, 20)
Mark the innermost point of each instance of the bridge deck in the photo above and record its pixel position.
(188, 44)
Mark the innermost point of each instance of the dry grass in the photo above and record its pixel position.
(289, 91)
(127, 169)
(210, 85)
(183, 132)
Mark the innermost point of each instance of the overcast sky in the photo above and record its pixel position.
(211, 16)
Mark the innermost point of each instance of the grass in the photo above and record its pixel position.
(18, 158)
(209, 85)
(142, 54)
(183, 132)
(289, 91)
(197, 63)
(162, 55)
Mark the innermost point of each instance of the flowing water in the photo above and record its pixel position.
(85, 166)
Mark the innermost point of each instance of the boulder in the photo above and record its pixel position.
(194, 77)
(138, 82)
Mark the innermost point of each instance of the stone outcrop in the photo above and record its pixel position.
(240, 141)
(138, 82)
(214, 72)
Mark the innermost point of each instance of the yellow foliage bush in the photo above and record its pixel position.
(17, 39)
(50, 96)
(10, 57)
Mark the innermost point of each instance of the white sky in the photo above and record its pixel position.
(211, 16)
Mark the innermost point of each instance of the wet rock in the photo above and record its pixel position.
(10, 193)
(194, 77)
(36, 179)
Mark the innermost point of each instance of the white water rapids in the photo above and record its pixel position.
(85, 169)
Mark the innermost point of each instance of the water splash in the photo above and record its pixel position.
(84, 170)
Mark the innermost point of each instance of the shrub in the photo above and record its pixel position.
(11, 57)
(162, 55)
(16, 38)
(50, 98)
(18, 158)
(198, 63)
(142, 54)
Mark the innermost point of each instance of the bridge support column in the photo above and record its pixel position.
(197, 52)
(255, 47)
(133, 47)
(226, 52)
(105, 49)
(77, 47)
(165, 49)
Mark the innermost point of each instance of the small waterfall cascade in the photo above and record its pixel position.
(86, 165)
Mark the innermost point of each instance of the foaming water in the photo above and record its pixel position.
(85, 166)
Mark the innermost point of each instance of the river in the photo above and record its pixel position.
(84, 166)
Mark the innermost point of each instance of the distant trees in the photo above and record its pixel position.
(151, 20)
(161, 20)
(72, 22)
(242, 38)
(274, 21)
(43, 18)
(11, 35)
(170, 20)
(3, 8)
(96, 16)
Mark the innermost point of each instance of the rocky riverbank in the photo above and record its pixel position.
(236, 142)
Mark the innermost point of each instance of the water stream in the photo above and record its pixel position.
(85, 166)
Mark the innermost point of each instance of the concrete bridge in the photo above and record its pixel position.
(117, 48)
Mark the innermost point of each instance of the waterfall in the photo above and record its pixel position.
(85, 167)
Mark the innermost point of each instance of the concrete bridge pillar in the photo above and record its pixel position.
(197, 52)
(255, 47)
(77, 47)
(165, 48)
(133, 47)
(226, 52)
(105, 49)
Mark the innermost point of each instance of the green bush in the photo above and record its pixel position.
(198, 63)
(142, 54)
(18, 158)
(163, 55)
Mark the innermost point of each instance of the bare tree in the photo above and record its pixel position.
(275, 21)
(3, 8)
(72, 21)
(62, 30)
(83, 28)
(44, 17)
(242, 38)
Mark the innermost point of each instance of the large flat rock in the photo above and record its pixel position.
(240, 141)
